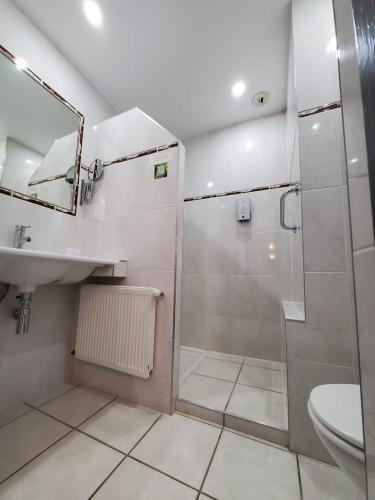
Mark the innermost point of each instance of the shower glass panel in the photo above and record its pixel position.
(237, 274)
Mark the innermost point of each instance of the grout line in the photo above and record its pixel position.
(261, 388)
(264, 367)
(198, 419)
(32, 407)
(54, 418)
(299, 477)
(211, 460)
(144, 435)
(215, 378)
(101, 442)
(53, 398)
(81, 423)
(96, 412)
(18, 416)
(36, 456)
(164, 473)
(260, 440)
(106, 479)
(235, 383)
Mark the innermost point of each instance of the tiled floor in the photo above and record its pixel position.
(127, 452)
(249, 388)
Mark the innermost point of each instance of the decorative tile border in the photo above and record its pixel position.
(141, 153)
(319, 109)
(40, 81)
(241, 191)
(47, 179)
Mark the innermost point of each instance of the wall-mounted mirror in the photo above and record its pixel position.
(40, 139)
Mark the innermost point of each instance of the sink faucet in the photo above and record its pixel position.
(20, 237)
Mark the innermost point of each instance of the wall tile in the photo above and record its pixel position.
(274, 252)
(303, 376)
(361, 212)
(324, 230)
(315, 53)
(245, 155)
(151, 237)
(193, 294)
(322, 150)
(329, 301)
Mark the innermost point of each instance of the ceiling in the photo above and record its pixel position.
(176, 59)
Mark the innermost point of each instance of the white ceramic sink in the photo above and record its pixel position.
(28, 269)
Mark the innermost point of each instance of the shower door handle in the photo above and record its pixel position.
(282, 209)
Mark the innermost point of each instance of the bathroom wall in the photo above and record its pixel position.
(138, 215)
(361, 220)
(322, 349)
(235, 274)
(33, 364)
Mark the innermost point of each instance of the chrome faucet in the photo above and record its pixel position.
(20, 237)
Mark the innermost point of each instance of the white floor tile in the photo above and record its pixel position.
(179, 446)
(264, 378)
(189, 359)
(134, 481)
(205, 391)
(77, 405)
(259, 405)
(7, 416)
(264, 363)
(120, 424)
(225, 357)
(71, 469)
(26, 437)
(244, 469)
(323, 482)
(43, 398)
(224, 370)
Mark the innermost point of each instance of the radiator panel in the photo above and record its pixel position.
(116, 328)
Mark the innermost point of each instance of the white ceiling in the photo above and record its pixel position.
(176, 59)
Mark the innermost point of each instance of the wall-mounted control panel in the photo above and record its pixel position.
(244, 209)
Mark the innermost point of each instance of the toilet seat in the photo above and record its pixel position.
(330, 437)
(337, 407)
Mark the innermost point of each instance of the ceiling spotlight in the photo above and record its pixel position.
(316, 126)
(249, 145)
(93, 12)
(238, 88)
(210, 184)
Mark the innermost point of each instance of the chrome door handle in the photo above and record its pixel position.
(295, 190)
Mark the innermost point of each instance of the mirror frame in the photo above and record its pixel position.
(15, 194)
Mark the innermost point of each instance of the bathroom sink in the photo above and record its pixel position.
(27, 269)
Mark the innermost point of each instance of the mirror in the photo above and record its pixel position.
(40, 139)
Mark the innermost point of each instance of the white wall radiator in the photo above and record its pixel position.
(116, 327)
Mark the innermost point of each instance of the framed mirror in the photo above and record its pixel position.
(40, 139)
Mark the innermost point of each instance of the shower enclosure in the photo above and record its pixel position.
(236, 274)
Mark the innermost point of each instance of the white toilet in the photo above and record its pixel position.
(336, 412)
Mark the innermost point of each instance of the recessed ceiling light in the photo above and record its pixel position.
(210, 184)
(29, 162)
(93, 12)
(249, 145)
(316, 126)
(354, 160)
(238, 88)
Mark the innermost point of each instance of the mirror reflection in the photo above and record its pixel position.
(38, 139)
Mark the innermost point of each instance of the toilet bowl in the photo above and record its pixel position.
(336, 413)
